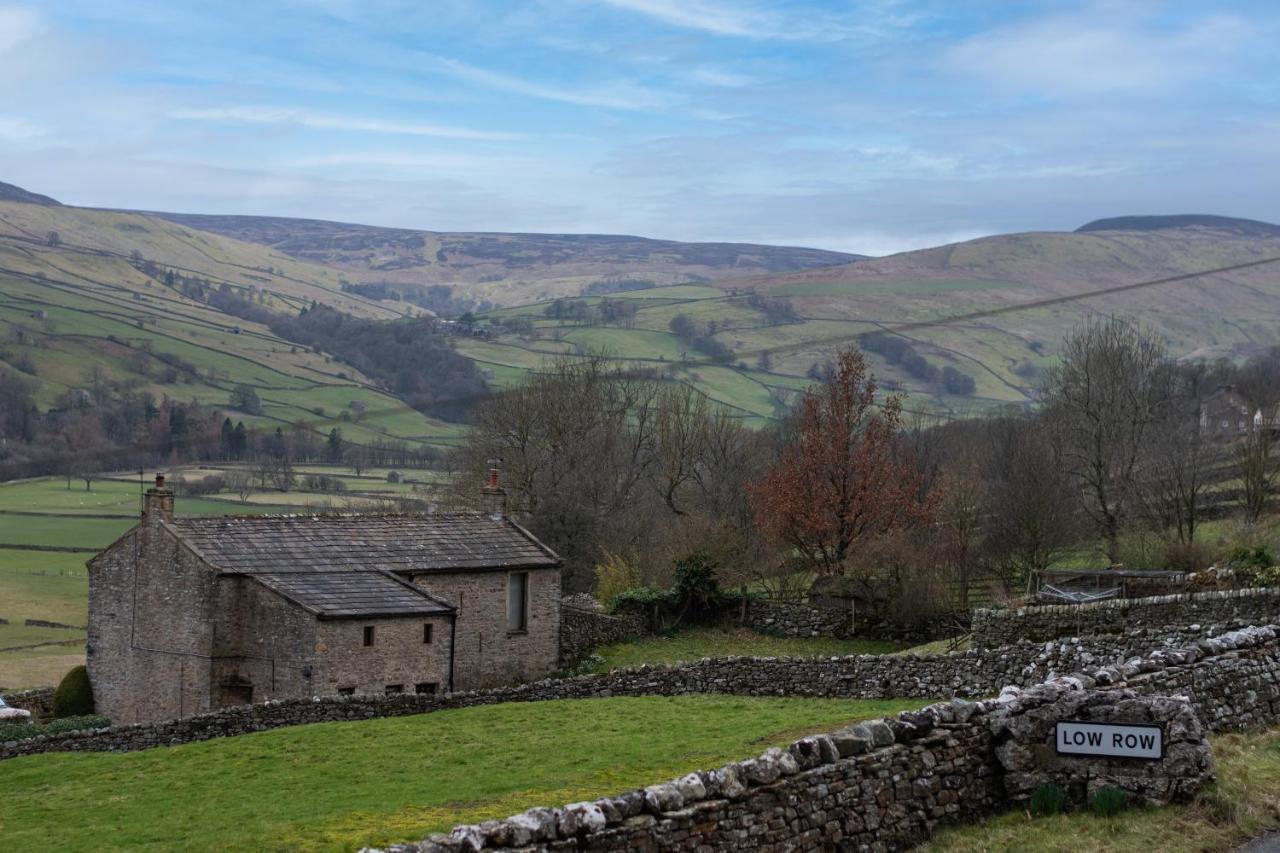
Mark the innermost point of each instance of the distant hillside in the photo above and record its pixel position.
(9, 192)
(502, 268)
(1241, 227)
(145, 305)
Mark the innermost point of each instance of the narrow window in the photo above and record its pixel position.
(346, 691)
(394, 688)
(368, 635)
(518, 601)
(430, 688)
(426, 632)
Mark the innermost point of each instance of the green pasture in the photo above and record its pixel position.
(697, 643)
(342, 786)
(908, 287)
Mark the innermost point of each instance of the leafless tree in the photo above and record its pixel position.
(1031, 502)
(241, 483)
(1173, 468)
(1256, 462)
(1111, 385)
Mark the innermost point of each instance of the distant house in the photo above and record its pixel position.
(1226, 414)
(191, 614)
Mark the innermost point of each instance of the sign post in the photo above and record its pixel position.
(1109, 740)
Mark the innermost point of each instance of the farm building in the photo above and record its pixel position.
(187, 615)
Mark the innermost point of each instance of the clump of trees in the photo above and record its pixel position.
(701, 337)
(602, 460)
(413, 358)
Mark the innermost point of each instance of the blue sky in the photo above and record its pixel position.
(864, 126)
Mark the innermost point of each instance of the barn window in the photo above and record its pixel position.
(368, 635)
(393, 689)
(426, 632)
(346, 691)
(430, 688)
(518, 601)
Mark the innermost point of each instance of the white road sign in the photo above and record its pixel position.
(1109, 740)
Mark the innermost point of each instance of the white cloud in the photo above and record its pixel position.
(321, 121)
(1095, 54)
(700, 15)
(406, 160)
(622, 96)
(17, 129)
(17, 25)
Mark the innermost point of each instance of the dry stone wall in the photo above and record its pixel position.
(583, 629)
(969, 674)
(796, 620)
(39, 701)
(992, 628)
(888, 784)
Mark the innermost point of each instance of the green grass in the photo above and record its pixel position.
(696, 643)
(895, 288)
(67, 531)
(1244, 803)
(339, 786)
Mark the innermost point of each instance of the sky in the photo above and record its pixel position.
(872, 127)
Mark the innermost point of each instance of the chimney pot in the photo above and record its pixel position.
(157, 504)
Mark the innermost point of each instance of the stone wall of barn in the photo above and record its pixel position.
(486, 653)
(992, 628)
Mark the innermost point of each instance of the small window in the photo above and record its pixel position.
(392, 689)
(430, 688)
(426, 632)
(346, 691)
(518, 601)
(368, 635)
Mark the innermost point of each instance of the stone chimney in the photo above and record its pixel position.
(493, 498)
(157, 505)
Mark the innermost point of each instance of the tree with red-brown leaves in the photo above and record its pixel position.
(843, 477)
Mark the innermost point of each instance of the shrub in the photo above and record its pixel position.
(1187, 556)
(1251, 557)
(1048, 800)
(696, 587)
(1108, 801)
(74, 696)
(22, 731)
(615, 574)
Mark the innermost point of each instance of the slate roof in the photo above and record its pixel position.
(347, 594)
(404, 544)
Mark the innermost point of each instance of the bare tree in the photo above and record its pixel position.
(1256, 462)
(242, 484)
(1031, 505)
(1173, 469)
(1102, 399)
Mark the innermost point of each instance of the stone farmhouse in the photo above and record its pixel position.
(187, 615)
(1226, 414)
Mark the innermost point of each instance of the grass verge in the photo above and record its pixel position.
(1244, 803)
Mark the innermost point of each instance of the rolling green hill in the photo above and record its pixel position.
(1228, 315)
(92, 304)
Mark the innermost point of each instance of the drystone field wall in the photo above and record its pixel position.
(964, 674)
(888, 784)
(992, 628)
(39, 701)
(795, 620)
(583, 630)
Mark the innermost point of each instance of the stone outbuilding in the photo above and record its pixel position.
(191, 614)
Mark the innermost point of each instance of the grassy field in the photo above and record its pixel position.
(696, 643)
(340, 786)
(1244, 803)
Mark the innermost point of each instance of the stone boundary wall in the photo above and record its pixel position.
(39, 701)
(965, 674)
(795, 620)
(889, 784)
(583, 630)
(993, 628)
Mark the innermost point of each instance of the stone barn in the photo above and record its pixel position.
(191, 614)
